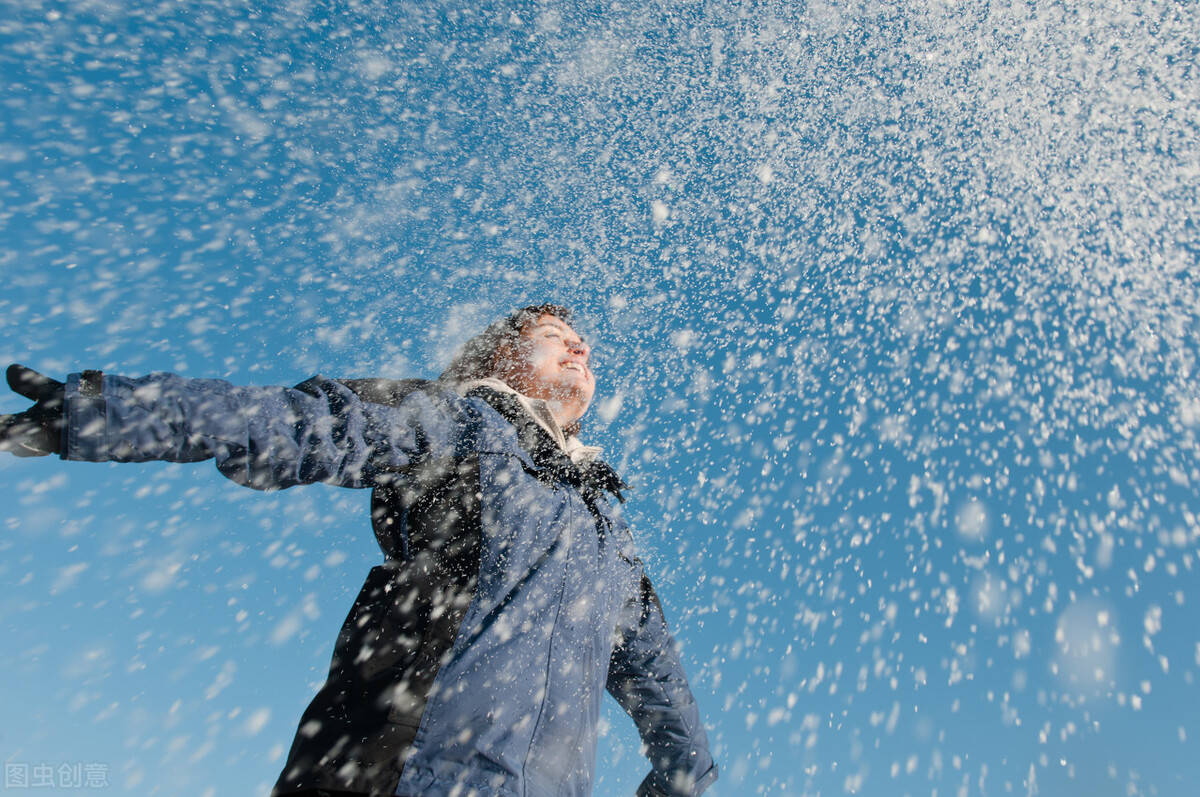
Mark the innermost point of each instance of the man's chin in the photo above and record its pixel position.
(572, 390)
(571, 407)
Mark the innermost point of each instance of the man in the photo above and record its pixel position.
(474, 659)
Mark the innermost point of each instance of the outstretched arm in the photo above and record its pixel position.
(262, 437)
(646, 677)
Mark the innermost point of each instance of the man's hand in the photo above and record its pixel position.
(37, 431)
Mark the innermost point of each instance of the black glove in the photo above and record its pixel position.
(38, 430)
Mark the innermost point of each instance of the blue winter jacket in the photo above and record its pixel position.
(475, 657)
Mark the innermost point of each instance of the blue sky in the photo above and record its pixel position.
(895, 314)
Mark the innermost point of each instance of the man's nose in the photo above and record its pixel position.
(579, 347)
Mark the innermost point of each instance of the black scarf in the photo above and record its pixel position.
(591, 478)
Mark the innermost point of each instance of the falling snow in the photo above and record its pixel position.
(895, 314)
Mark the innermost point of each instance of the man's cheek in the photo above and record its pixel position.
(539, 358)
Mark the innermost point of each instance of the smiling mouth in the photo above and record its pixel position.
(575, 367)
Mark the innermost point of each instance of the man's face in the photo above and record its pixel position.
(550, 361)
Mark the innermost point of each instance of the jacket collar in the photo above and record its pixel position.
(591, 475)
(539, 411)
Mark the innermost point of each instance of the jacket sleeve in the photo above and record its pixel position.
(646, 677)
(267, 438)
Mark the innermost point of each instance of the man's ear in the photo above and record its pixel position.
(501, 366)
(508, 358)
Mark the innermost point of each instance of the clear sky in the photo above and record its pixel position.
(896, 327)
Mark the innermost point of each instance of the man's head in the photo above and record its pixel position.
(536, 352)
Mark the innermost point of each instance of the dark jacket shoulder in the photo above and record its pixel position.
(390, 392)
